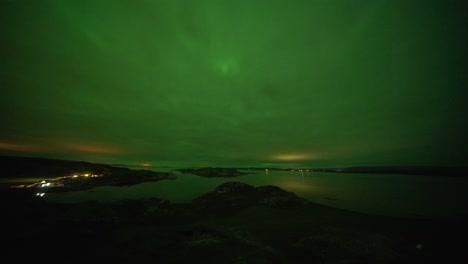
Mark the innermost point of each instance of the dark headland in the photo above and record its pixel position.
(75, 175)
(234, 223)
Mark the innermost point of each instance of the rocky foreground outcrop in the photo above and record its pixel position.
(227, 198)
(236, 195)
(235, 223)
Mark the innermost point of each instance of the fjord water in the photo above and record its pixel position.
(435, 197)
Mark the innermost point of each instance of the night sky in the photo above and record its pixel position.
(324, 83)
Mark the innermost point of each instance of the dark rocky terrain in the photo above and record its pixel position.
(235, 223)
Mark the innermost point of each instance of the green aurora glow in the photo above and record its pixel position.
(248, 83)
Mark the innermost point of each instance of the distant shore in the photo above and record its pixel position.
(66, 175)
(405, 170)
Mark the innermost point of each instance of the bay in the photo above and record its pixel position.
(415, 196)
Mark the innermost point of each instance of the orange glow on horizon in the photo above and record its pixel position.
(58, 147)
(290, 157)
(19, 147)
(94, 149)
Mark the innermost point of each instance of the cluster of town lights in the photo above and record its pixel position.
(52, 183)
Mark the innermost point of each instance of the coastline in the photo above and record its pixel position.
(234, 223)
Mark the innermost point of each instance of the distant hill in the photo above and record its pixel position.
(24, 167)
(67, 175)
(407, 170)
(410, 170)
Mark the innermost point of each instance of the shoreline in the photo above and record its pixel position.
(263, 224)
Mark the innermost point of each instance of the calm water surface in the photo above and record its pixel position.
(400, 195)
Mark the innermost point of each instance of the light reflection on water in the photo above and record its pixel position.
(415, 196)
